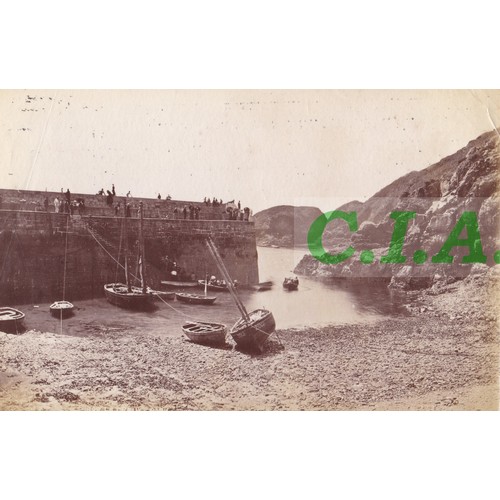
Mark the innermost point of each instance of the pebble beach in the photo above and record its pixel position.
(442, 357)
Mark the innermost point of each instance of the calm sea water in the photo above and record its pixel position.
(316, 303)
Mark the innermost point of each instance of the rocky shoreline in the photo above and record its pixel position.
(443, 356)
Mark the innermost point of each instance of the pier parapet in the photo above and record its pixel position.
(95, 204)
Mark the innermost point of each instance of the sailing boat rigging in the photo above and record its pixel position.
(252, 330)
(125, 295)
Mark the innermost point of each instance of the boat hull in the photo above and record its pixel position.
(253, 335)
(61, 309)
(11, 320)
(117, 294)
(205, 333)
(190, 298)
(291, 286)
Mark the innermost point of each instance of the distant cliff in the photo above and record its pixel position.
(284, 225)
(466, 180)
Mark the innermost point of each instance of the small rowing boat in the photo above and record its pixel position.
(262, 287)
(61, 309)
(11, 319)
(252, 333)
(205, 333)
(291, 284)
(192, 298)
(214, 286)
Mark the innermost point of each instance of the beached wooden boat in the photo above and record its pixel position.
(192, 298)
(251, 334)
(214, 287)
(11, 319)
(252, 330)
(61, 309)
(205, 333)
(179, 284)
(291, 284)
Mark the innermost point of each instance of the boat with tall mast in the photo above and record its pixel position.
(253, 329)
(125, 295)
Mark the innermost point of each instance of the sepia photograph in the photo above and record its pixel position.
(249, 249)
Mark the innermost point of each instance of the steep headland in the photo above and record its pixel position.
(467, 180)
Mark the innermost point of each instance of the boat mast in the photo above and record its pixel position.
(230, 285)
(142, 263)
(125, 251)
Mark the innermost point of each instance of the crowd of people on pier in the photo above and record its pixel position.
(120, 206)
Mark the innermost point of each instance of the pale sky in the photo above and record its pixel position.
(264, 148)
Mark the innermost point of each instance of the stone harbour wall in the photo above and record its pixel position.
(33, 252)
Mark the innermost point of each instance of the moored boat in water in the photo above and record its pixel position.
(192, 298)
(291, 284)
(205, 333)
(214, 285)
(119, 295)
(11, 320)
(61, 308)
(262, 287)
(179, 284)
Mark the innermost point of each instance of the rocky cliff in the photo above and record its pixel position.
(467, 180)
